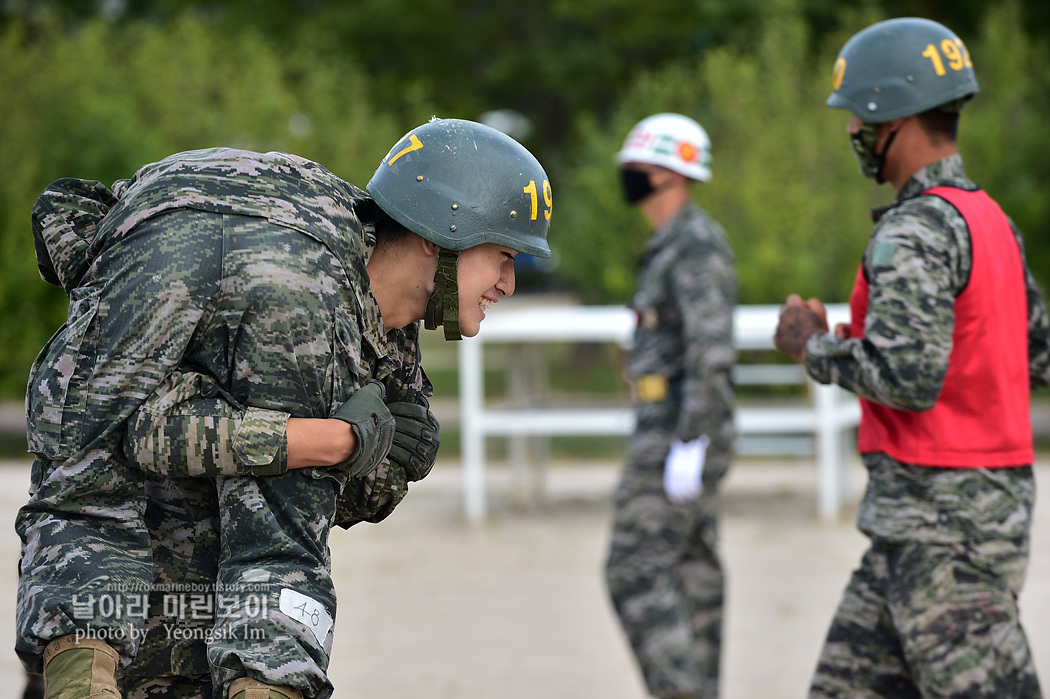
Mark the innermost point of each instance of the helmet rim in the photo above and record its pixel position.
(459, 184)
(884, 73)
(669, 140)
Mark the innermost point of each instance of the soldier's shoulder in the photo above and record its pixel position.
(700, 231)
(922, 216)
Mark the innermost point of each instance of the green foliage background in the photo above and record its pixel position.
(95, 89)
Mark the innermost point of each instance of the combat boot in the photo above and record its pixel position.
(247, 688)
(84, 669)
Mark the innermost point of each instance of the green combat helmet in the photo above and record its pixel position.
(460, 184)
(895, 69)
(902, 67)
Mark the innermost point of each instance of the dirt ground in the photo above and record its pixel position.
(436, 608)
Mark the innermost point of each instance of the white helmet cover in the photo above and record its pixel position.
(673, 141)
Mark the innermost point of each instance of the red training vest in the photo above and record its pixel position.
(982, 416)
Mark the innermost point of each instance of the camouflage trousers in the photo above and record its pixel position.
(242, 585)
(275, 617)
(666, 582)
(932, 610)
(84, 544)
(192, 687)
(97, 589)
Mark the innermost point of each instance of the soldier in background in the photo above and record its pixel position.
(663, 570)
(947, 335)
(241, 371)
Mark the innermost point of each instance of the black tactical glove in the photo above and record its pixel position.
(373, 425)
(416, 438)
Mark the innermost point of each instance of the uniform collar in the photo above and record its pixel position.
(948, 170)
(373, 331)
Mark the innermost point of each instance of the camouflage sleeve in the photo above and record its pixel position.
(1038, 328)
(704, 284)
(916, 262)
(65, 219)
(408, 382)
(371, 498)
(190, 427)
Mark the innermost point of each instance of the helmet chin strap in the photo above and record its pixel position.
(871, 163)
(443, 304)
(880, 177)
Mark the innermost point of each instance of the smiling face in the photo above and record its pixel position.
(485, 273)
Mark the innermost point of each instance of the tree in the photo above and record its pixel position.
(101, 100)
(785, 187)
(787, 194)
(95, 89)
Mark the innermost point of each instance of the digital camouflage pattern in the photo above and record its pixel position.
(275, 529)
(935, 614)
(932, 610)
(198, 687)
(247, 272)
(663, 558)
(182, 515)
(904, 357)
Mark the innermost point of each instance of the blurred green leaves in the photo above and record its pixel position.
(786, 187)
(101, 99)
(96, 89)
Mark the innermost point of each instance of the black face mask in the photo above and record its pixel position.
(636, 185)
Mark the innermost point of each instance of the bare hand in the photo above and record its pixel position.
(798, 321)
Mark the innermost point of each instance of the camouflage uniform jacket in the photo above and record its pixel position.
(75, 221)
(683, 341)
(917, 261)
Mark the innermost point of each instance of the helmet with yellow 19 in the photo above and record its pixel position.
(673, 141)
(898, 68)
(459, 184)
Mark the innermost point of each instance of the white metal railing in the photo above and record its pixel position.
(831, 411)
